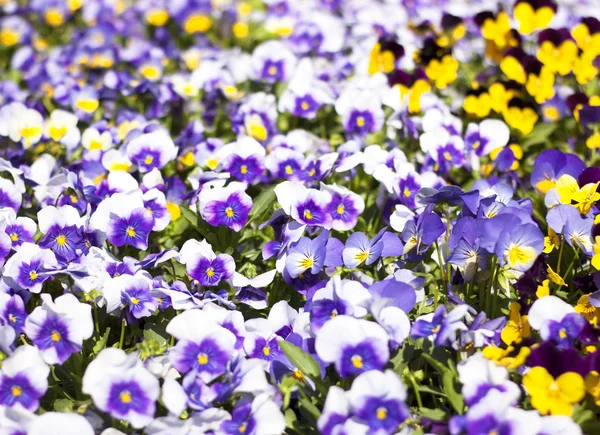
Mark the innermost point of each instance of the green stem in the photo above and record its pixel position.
(416, 388)
(560, 252)
(575, 258)
(96, 324)
(444, 280)
(122, 339)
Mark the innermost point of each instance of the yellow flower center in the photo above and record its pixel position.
(73, 199)
(88, 106)
(306, 262)
(244, 169)
(229, 212)
(135, 301)
(14, 237)
(340, 209)
(266, 351)
(308, 215)
(197, 24)
(357, 361)
(33, 275)
(360, 121)
(148, 160)
(55, 336)
(12, 318)
(130, 231)
(125, 397)
(362, 256)
(210, 272)
(16, 391)
(304, 105)
(289, 170)
(202, 359)
(61, 240)
(381, 413)
(298, 375)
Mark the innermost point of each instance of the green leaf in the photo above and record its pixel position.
(63, 405)
(434, 414)
(262, 204)
(540, 134)
(451, 388)
(309, 407)
(101, 343)
(305, 363)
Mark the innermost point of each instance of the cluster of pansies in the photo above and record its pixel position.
(320, 216)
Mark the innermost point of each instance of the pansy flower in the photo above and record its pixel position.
(307, 255)
(12, 311)
(124, 219)
(150, 148)
(439, 326)
(203, 265)
(30, 267)
(244, 159)
(120, 386)
(378, 399)
(203, 346)
(354, 346)
(273, 62)
(518, 247)
(550, 165)
(533, 14)
(345, 207)
(227, 206)
(361, 112)
(131, 291)
(62, 231)
(306, 206)
(556, 320)
(59, 327)
(23, 379)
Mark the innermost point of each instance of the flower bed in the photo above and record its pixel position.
(321, 216)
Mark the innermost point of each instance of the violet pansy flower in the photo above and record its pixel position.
(204, 265)
(352, 345)
(23, 378)
(120, 386)
(227, 206)
(58, 328)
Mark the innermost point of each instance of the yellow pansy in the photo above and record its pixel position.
(566, 187)
(560, 59)
(478, 105)
(381, 61)
(500, 96)
(592, 385)
(555, 277)
(552, 241)
(587, 42)
(517, 326)
(553, 396)
(504, 358)
(596, 256)
(442, 72)
(532, 19)
(544, 289)
(496, 29)
(541, 87)
(522, 119)
(584, 68)
(590, 312)
(586, 197)
(513, 69)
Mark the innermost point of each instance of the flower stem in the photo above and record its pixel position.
(122, 333)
